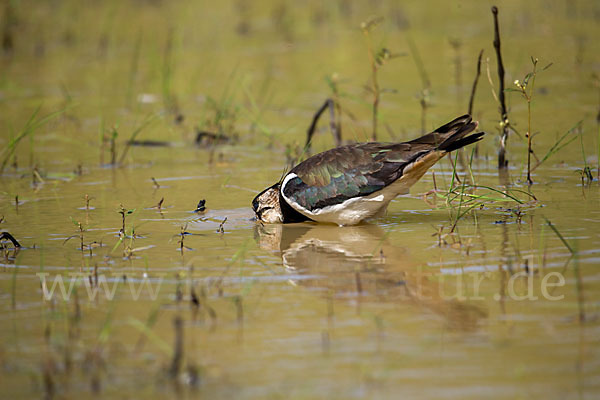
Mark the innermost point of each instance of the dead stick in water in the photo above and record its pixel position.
(502, 162)
(178, 349)
(313, 124)
(333, 125)
(474, 88)
(6, 235)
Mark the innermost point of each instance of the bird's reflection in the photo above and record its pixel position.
(360, 261)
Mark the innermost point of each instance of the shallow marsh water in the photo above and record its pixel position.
(382, 310)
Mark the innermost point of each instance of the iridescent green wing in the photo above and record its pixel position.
(340, 174)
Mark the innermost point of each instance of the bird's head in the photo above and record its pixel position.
(266, 205)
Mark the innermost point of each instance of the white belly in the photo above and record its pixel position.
(355, 210)
(350, 212)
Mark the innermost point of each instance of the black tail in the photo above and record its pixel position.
(462, 142)
(453, 135)
(456, 125)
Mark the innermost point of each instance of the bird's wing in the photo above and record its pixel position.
(334, 176)
(346, 172)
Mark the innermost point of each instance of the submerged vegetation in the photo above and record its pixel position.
(118, 117)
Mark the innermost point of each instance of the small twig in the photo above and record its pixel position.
(182, 238)
(333, 125)
(220, 229)
(37, 177)
(529, 133)
(313, 125)
(502, 162)
(8, 236)
(178, 348)
(474, 88)
(335, 115)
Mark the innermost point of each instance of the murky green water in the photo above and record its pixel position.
(394, 308)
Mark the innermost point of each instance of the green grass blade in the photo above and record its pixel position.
(567, 245)
(30, 127)
(151, 118)
(149, 333)
(559, 144)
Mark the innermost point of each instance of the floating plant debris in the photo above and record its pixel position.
(201, 207)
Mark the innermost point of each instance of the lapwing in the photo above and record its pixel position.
(351, 183)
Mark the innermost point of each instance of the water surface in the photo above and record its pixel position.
(397, 307)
